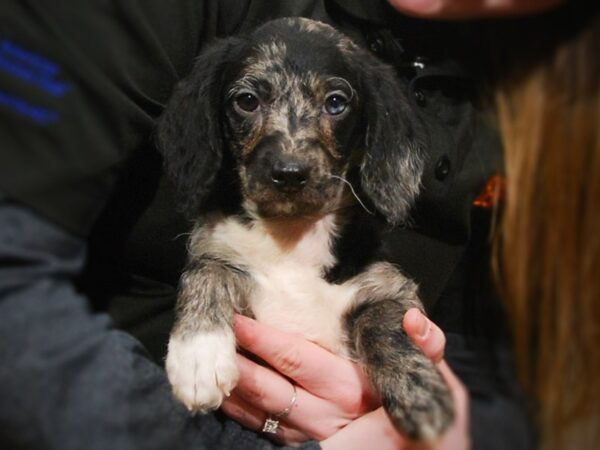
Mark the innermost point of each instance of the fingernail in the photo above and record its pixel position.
(239, 320)
(424, 327)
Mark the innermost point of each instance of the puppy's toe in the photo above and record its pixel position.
(227, 374)
(202, 369)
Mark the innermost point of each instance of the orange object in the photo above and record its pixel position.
(493, 193)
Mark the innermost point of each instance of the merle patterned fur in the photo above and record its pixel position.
(277, 125)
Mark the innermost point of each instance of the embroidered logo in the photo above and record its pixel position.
(40, 115)
(36, 71)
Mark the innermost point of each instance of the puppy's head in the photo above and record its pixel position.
(298, 105)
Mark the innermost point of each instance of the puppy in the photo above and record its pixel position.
(305, 142)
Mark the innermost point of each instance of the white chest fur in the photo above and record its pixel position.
(286, 262)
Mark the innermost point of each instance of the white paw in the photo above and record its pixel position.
(202, 368)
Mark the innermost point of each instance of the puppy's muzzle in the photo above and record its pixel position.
(289, 176)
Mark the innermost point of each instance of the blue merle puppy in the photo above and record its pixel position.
(299, 144)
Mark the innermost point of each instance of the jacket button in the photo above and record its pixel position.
(420, 97)
(442, 168)
(376, 44)
(420, 62)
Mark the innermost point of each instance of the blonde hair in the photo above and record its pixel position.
(549, 242)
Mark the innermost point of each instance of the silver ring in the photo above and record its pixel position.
(272, 422)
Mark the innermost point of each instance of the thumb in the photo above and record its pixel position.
(425, 334)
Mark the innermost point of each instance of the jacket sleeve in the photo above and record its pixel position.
(68, 379)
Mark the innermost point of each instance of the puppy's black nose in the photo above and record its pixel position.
(289, 176)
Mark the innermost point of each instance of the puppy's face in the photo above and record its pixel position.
(299, 106)
(292, 115)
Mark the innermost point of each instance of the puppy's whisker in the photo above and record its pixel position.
(353, 192)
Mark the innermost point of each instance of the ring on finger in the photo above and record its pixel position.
(272, 422)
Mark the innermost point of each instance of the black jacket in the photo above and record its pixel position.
(80, 88)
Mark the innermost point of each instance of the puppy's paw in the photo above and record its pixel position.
(420, 404)
(202, 368)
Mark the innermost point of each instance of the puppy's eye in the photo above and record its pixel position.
(336, 103)
(247, 102)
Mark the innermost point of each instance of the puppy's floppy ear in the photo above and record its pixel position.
(189, 132)
(392, 165)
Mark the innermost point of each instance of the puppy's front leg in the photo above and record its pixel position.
(201, 363)
(412, 390)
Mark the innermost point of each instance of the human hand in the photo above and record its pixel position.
(330, 391)
(375, 429)
(471, 9)
(333, 410)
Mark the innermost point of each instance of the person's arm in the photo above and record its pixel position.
(68, 379)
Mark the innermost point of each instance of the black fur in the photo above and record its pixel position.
(190, 132)
(393, 163)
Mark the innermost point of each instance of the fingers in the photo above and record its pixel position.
(430, 338)
(262, 392)
(470, 9)
(458, 436)
(271, 393)
(373, 430)
(307, 364)
(425, 334)
(254, 419)
(458, 389)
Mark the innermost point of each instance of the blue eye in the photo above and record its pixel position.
(247, 102)
(336, 104)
